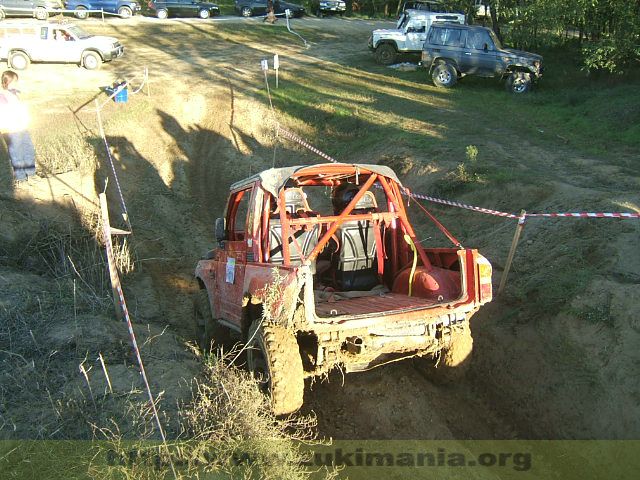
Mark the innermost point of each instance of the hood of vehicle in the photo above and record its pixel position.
(521, 54)
(103, 39)
(389, 32)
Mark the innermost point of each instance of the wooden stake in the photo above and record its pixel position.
(113, 272)
(512, 251)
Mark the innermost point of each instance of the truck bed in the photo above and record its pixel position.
(369, 304)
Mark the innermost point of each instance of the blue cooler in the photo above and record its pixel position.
(122, 95)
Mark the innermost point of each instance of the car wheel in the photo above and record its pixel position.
(2, 15)
(18, 60)
(273, 357)
(204, 13)
(519, 83)
(41, 13)
(386, 54)
(125, 12)
(91, 61)
(444, 75)
(162, 14)
(246, 12)
(81, 13)
(208, 329)
(453, 361)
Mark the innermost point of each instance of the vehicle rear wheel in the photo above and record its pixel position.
(91, 61)
(519, 83)
(246, 12)
(2, 15)
(18, 60)
(81, 13)
(41, 13)
(162, 14)
(454, 359)
(125, 12)
(208, 329)
(204, 13)
(386, 54)
(274, 360)
(444, 75)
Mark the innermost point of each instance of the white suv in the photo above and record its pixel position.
(23, 43)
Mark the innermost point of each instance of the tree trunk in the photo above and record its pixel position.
(494, 20)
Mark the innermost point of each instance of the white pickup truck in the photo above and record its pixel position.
(23, 43)
(409, 34)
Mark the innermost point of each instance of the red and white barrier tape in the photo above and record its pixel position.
(488, 211)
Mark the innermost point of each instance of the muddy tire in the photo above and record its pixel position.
(444, 75)
(454, 360)
(209, 333)
(274, 360)
(386, 54)
(519, 83)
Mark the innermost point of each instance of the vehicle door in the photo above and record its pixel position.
(416, 35)
(186, 8)
(229, 285)
(18, 7)
(447, 42)
(64, 46)
(480, 53)
(259, 7)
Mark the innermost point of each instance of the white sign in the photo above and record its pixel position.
(264, 64)
(231, 270)
(276, 62)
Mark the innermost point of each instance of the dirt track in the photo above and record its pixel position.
(204, 127)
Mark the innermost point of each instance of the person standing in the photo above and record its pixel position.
(14, 120)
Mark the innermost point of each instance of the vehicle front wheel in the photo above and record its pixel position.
(386, 54)
(41, 13)
(81, 13)
(246, 12)
(204, 13)
(519, 83)
(18, 60)
(444, 75)
(125, 12)
(207, 328)
(274, 360)
(162, 14)
(91, 61)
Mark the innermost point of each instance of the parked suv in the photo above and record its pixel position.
(248, 8)
(23, 43)
(39, 9)
(454, 51)
(124, 8)
(409, 34)
(183, 8)
(330, 7)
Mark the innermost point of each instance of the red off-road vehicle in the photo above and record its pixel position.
(318, 267)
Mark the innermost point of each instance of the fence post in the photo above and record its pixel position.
(514, 244)
(113, 275)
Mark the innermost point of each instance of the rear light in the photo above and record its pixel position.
(484, 279)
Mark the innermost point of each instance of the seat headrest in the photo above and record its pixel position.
(295, 200)
(367, 202)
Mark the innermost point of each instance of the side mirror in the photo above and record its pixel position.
(486, 47)
(221, 230)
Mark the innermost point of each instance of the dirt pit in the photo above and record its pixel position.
(550, 362)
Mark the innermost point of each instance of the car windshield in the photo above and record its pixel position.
(496, 40)
(402, 21)
(77, 31)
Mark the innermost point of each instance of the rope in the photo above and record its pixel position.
(125, 213)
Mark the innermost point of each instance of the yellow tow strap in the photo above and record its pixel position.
(407, 239)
